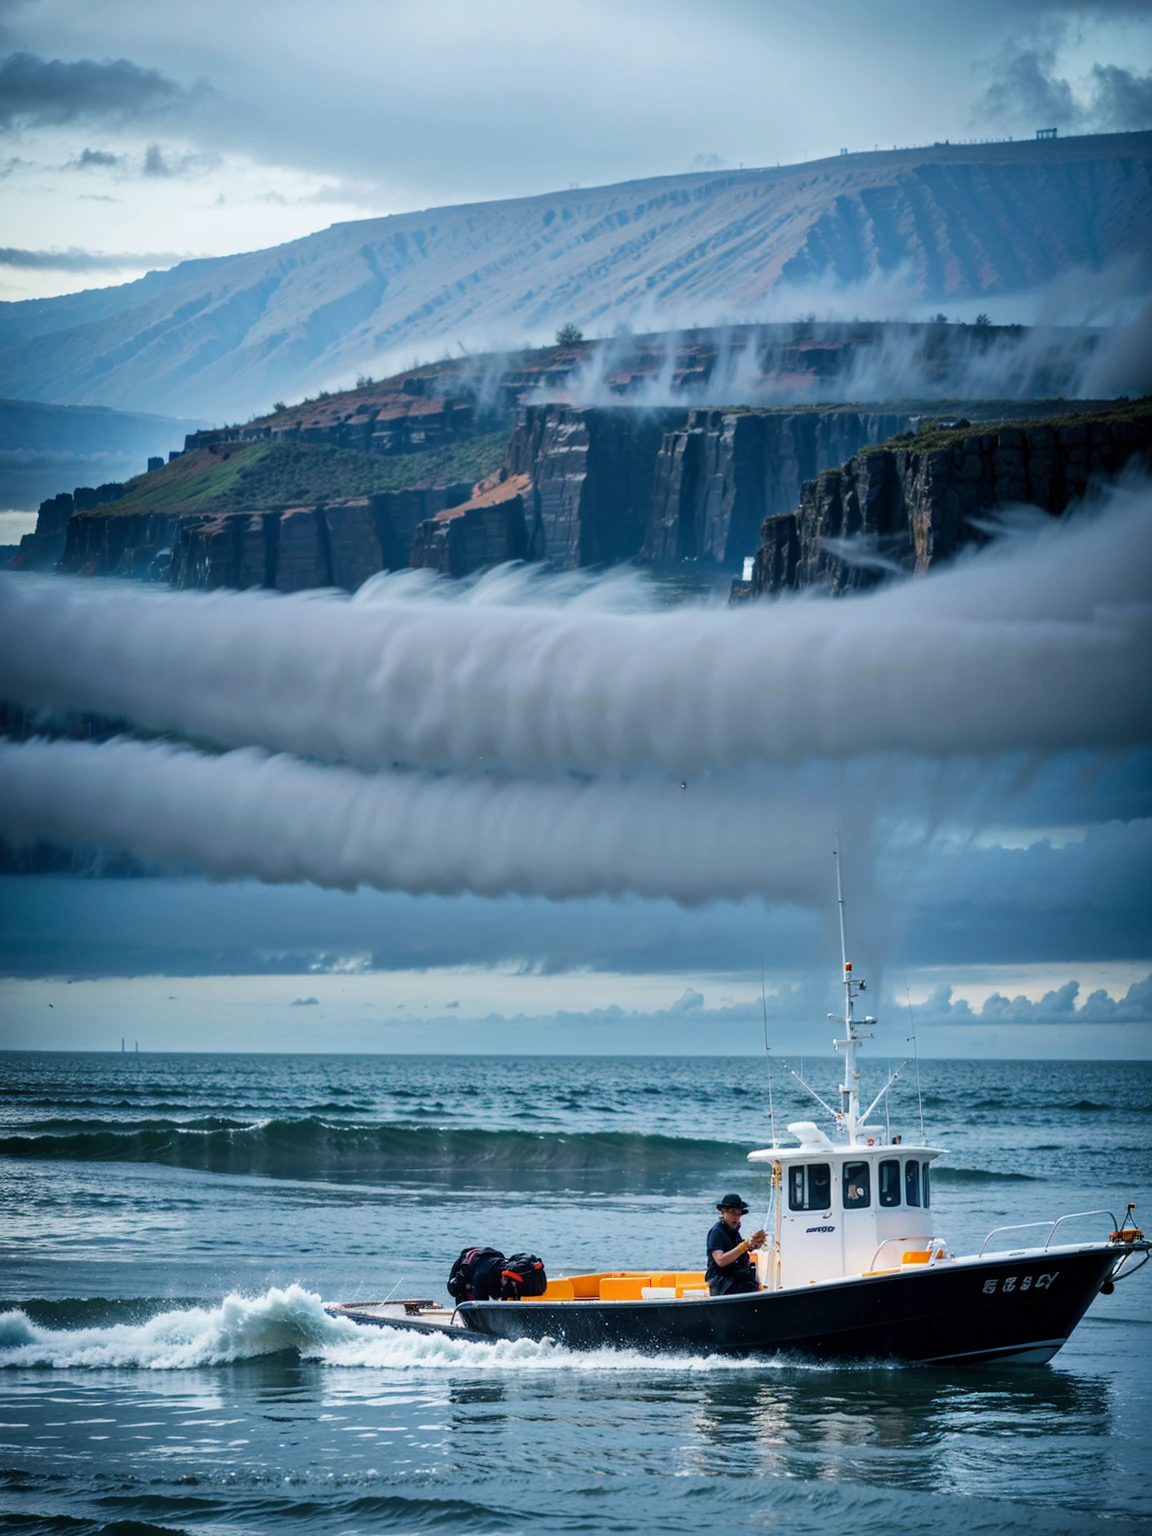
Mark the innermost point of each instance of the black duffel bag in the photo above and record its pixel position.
(476, 1275)
(522, 1275)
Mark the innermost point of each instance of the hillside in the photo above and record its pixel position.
(227, 336)
(267, 475)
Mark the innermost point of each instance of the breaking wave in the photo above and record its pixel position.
(945, 1175)
(310, 1148)
(293, 1320)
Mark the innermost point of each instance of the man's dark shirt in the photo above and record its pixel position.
(725, 1237)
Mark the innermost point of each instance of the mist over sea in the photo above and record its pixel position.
(170, 1223)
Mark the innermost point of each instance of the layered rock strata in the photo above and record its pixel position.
(594, 486)
(421, 413)
(591, 472)
(718, 477)
(905, 507)
(487, 530)
(43, 549)
(287, 549)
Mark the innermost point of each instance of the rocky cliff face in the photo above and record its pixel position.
(911, 505)
(719, 476)
(676, 485)
(591, 472)
(405, 415)
(594, 486)
(487, 530)
(43, 550)
(334, 545)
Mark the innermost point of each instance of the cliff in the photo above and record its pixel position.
(202, 497)
(674, 485)
(44, 549)
(573, 486)
(334, 544)
(719, 476)
(488, 529)
(591, 472)
(916, 501)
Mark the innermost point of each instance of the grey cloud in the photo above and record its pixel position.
(1055, 1007)
(980, 906)
(96, 159)
(76, 260)
(1121, 99)
(55, 925)
(1091, 899)
(39, 92)
(165, 163)
(1026, 89)
(157, 162)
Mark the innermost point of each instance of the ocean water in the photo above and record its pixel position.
(169, 1226)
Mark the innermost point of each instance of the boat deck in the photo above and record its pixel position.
(410, 1316)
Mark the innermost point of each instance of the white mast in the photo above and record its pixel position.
(849, 1116)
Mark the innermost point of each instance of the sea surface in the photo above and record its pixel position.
(169, 1225)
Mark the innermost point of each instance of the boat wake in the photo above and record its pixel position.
(293, 1320)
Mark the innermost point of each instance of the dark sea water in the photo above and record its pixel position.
(169, 1225)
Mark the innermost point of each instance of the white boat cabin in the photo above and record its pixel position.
(846, 1208)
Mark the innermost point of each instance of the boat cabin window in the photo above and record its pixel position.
(857, 1186)
(911, 1183)
(810, 1188)
(890, 1181)
(924, 1186)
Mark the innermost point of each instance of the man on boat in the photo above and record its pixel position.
(730, 1271)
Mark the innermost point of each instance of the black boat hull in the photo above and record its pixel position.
(1002, 1308)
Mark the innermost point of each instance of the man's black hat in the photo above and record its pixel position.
(734, 1202)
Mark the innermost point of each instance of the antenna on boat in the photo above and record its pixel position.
(849, 1116)
(916, 1058)
(840, 908)
(767, 1051)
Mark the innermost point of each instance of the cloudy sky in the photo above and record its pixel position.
(134, 134)
(998, 866)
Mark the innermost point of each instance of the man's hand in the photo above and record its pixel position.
(758, 1239)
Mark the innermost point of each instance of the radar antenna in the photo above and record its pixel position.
(916, 1058)
(849, 1117)
(767, 1051)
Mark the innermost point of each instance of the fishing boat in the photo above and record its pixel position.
(853, 1267)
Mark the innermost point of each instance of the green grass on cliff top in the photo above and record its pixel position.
(933, 439)
(262, 477)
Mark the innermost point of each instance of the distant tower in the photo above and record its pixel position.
(1045, 133)
(121, 1045)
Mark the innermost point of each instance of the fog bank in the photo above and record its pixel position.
(1038, 643)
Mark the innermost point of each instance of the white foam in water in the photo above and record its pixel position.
(239, 1328)
(244, 1327)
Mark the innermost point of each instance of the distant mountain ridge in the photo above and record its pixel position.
(226, 336)
(47, 448)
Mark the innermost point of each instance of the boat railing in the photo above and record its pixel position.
(1024, 1226)
(1072, 1215)
(935, 1248)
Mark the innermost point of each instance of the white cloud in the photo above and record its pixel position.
(1058, 1006)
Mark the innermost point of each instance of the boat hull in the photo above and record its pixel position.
(1015, 1308)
